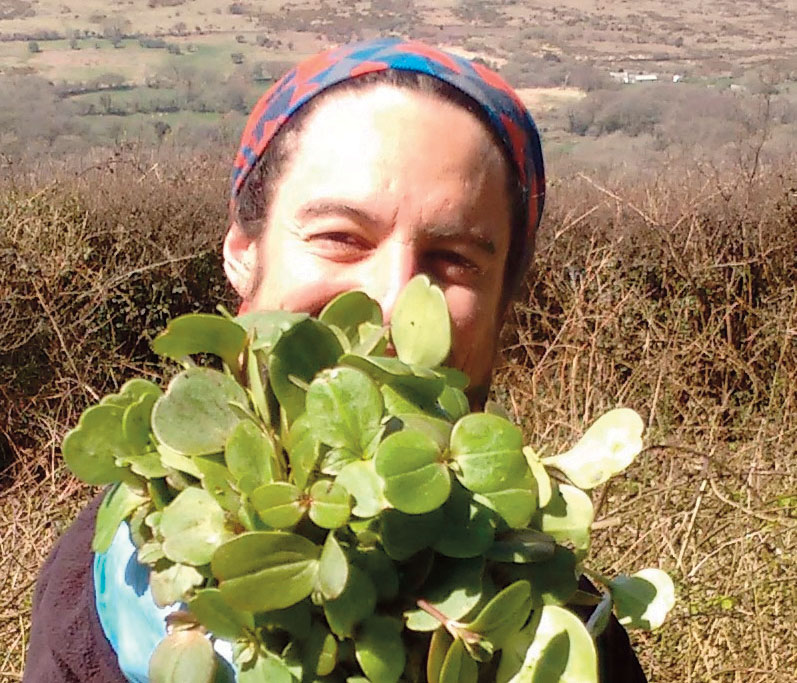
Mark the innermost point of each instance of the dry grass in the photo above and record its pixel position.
(672, 295)
(546, 99)
(677, 297)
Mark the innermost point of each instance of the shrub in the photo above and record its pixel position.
(671, 293)
(152, 43)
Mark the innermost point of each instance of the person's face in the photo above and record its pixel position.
(384, 184)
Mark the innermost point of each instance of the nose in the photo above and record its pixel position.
(392, 266)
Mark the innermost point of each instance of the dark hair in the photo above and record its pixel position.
(251, 205)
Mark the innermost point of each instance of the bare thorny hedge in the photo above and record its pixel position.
(673, 294)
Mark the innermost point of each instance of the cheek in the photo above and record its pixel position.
(292, 279)
(473, 318)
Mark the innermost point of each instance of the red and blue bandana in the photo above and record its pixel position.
(504, 109)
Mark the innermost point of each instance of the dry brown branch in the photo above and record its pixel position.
(675, 296)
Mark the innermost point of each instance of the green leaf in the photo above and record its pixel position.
(249, 454)
(173, 584)
(92, 448)
(458, 667)
(150, 553)
(173, 460)
(454, 588)
(268, 326)
(456, 379)
(607, 448)
(644, 599)
(417, 386)
(371, 339)
(303, 450)
(183, 656)
(403, 404)
(568, 517)
(554, 581)
(304, 350)
(348, 311)
(280, 505)
(487, 450)
(193, 527)
(420, 325)
(435, 428)
(194, 417)
(118, 504)
(294, 620)
(382, 570)
(131, 392)
(159, 493)
(320, 651)
(147, 465)
(333, 569)
(140, 532)
(454, 402)
(265, 669)
(218, 482)
(505, 614)
(515, 506)
(248, 517)
(540, 474)
(362, 482)
(222, 620)
(135, 422)
(438, 649)
(469, 530)
(522, 546)
(380, 650)
(330, 504)
(201, 333)
(333, 461)
(257, 386)
(404, 535)
(261, 571)
(344, 408)
(356, 603)
(556, 647)
(416, 479)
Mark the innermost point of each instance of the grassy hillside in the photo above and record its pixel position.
(162, 71)
(673, 293)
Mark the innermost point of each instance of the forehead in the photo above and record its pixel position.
(379, 117)
(402, 149)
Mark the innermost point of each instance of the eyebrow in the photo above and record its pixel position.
(319, 208)
(481, 242)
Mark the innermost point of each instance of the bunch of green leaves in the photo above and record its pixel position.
(339, 514)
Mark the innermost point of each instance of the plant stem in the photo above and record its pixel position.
(597, 576)
(431, 609)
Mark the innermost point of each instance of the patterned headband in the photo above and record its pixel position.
(504, 109)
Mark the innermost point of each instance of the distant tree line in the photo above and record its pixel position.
(686, 115)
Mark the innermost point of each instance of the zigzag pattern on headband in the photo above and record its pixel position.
(507, 114)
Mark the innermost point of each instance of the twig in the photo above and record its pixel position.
(64, 348)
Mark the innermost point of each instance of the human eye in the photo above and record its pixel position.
(453, 266)
(338, 244)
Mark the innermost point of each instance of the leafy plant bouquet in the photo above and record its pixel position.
(338, 514)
